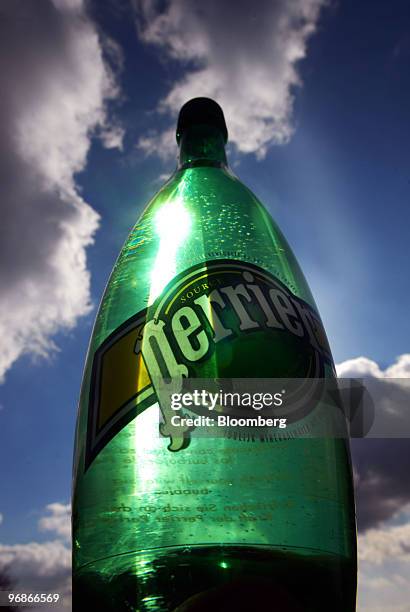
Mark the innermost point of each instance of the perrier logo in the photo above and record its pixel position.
(219, 319)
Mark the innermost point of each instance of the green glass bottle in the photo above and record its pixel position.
(205, 287)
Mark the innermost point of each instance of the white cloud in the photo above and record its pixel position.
(384, 557)
(244, 56)
(379, 545)
(358, 367)
(161, 143)
(58, 520)
(112, 137)
(400, 369)
(39, 568)
(1, 518)
(363, 367)
(43, 567)
(35, 559)
(55, 90)
(383, 592)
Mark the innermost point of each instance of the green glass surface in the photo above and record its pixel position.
(161, 530)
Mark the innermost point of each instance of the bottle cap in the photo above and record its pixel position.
(201, 110)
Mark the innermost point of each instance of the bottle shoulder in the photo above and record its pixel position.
(206, 182)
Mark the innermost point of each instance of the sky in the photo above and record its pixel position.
(316, 96)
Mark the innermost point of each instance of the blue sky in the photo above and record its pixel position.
(332, 168)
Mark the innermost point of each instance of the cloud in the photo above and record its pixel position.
(385, 592)
(58, 520)
(1, 518)
(384, 558)
(36, 560)
(55, 87)
(362, 367)
(379, 545)
(162, 144)
(43, 567)
(380, 465)
(39, 568)
(244, 55)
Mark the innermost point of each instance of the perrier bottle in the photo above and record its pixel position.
(205, 287)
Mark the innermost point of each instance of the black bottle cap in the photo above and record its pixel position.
(201, 110)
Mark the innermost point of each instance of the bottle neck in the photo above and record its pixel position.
(202, 145)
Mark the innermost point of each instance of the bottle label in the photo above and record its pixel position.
(218, 319)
